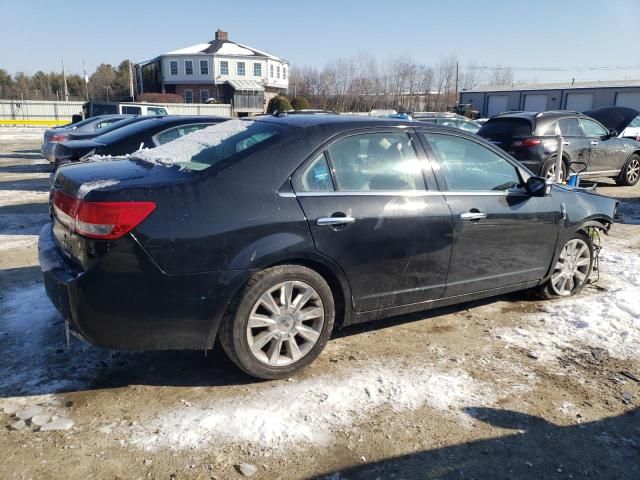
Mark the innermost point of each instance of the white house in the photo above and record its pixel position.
(221, 69)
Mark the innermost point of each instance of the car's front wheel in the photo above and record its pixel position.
(280, 322)
(572, 269)
(630, 173)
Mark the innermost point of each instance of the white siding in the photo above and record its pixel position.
(182, 77)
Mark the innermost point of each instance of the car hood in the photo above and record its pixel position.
(614, 118)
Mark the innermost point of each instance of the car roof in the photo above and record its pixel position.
(309, 120)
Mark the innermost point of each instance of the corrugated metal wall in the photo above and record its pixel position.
(62, 111)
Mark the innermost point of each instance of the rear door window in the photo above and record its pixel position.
(569, 127)
(376, 161)
(176, 132)
(317, 176)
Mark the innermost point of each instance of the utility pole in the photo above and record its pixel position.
(64, 76)
(131, 89)
(457, 72)
(86, 79)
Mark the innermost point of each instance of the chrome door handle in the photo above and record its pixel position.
(473, 216)
(566, 143)
(335, 220)
(594, 142)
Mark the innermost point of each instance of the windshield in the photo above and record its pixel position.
(199, 150)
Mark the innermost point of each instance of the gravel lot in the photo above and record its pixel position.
(504, 388)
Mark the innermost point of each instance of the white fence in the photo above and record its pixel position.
(37, 113)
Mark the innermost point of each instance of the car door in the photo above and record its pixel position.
(502, 235)
(371, 212)
(606, 153)
(576, 145)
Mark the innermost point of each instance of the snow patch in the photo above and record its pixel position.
(87, 187)
(12, 134)
(15, 242)
(609, 320)
(197, 48)
(311, 411)
(233, 49)
(183, 149)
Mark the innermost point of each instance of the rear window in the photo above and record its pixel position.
(209, 146)
(513, 127)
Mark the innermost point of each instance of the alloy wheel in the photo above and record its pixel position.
(572, 267)
(551, 172)
(633, 170)
(285, 323)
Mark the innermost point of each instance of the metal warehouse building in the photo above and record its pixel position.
(574, 96)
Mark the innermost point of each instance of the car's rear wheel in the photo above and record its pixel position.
(572, 269)
(549, 170)
(630, 173)
(280, 322)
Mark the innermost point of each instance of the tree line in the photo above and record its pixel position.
(105, 83)
(363, 83)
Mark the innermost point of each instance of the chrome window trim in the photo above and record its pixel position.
(403, 193)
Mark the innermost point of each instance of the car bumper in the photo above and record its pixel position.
(48, 151)
(138, 309)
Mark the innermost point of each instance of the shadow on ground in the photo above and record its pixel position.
(27, 185)
(534, 449)
(38, 168)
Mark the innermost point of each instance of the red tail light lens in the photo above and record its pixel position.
(102, 220)
(527, 142)
(58, 138)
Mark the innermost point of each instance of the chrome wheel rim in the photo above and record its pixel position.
(572, 267)
(285, 323)
(633, 170)
(551, 172)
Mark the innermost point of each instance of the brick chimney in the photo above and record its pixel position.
(222, 35)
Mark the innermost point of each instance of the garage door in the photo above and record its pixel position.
(579, 102)
(497, 104)
(628, 99)
(535, 103)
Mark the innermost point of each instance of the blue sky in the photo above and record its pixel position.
(36, 34)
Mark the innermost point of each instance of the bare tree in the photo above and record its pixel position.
(500, 75)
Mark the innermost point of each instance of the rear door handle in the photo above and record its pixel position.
(593, 142)
(335, 220)
(566, 143)
(473, 215)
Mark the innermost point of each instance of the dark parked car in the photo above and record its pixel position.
(93, 125)
(150, 133)
(624, 120)
(530, 137)
(266, 233)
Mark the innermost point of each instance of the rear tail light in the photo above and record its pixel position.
(58, 137)
(102, 220)
(527, 142)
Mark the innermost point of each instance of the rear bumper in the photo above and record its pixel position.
(126, 302)
(48, 151)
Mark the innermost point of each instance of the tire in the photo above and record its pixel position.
(549, 168)
(630, 173)
(575, 268)
(264, 347)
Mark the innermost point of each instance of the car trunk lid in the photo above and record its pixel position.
(504, 131)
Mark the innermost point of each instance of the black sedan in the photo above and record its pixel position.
(265, 234)
(147, 132)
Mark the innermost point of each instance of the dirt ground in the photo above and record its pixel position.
(508, 387)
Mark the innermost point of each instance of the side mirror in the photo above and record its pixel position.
(538, 186)
(613, 133)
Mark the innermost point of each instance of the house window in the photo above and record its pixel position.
(257, 69)
(188, 96)
(278, 71)
(240, 69)
(188, 67)
(204, 95)
(173, 66)
(224, 67)
(271, 71)
(204, 67)
(284, 72)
